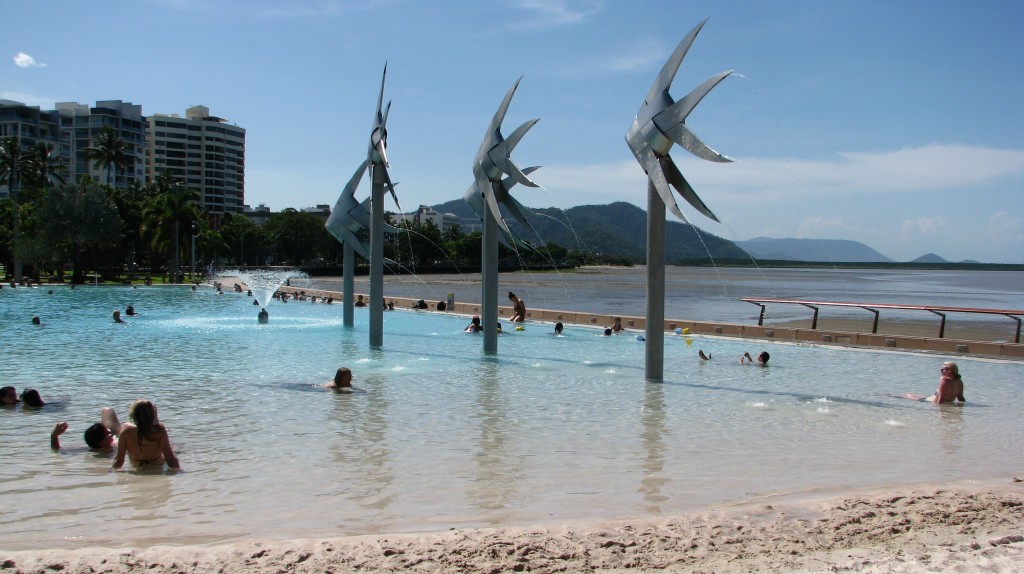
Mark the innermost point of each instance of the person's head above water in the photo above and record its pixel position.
(343, 377)
(36, 321)
(763, 357)
(559, 327)
(98, 436)
(31, 398)
(8, 396)
(143, 414)
(951, 369)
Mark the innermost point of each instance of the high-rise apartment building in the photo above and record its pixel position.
(204, 152)
(81, 124)
(29, 125)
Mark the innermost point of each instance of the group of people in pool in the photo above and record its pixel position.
(144, 441)
(29, 397)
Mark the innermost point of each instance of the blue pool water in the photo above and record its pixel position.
(438, 435)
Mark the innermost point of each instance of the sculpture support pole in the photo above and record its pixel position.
(376, 257)
(654, 357)
(348, 285)
(489, 280)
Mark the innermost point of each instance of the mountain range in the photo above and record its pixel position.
(620, 228)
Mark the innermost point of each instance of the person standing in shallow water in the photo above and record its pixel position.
(264, 317)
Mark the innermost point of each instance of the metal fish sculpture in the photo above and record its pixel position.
(661, 122)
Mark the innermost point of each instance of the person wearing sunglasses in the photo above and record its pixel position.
(951, 386)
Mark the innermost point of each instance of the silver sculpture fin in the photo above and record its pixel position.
(494, 161)
(349, 215)
(661, 122)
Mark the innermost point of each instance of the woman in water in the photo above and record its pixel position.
(146, 441)
(951, 386)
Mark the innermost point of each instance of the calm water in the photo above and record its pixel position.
(440, 436)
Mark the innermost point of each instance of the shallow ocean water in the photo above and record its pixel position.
(438, 435)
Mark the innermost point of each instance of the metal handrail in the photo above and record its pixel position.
(939, 310)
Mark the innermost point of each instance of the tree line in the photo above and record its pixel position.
(49, 226)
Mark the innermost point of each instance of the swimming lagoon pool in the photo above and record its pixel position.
(439, 435)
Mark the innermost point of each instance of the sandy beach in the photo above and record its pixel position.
(926, 529)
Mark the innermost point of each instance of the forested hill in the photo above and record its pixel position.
(618, 228)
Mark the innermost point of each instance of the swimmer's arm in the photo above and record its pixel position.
(168, 452)
(122, 447)
(58, 429)
(940, 393)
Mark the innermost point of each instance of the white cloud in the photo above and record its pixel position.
(1005, 228)
(646, 54)
(930, 168)
(911, 228)
(23, 60)
(817, 227)
(561, 12)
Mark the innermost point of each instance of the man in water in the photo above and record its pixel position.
(101, 436)
(263, 317)
(951, 386)
(761, 361)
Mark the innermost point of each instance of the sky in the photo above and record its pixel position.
(896, 124)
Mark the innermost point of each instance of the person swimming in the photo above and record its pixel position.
(8, 396)
(342, 379)
(101, 436)
(31, 398)
(761, 361)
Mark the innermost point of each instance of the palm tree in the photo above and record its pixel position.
(211, 243)
(111, 152)
(172, 207)
(45, 168)
(13, 162)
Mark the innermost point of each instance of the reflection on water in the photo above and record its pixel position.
(652, 440)
(439, 435)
